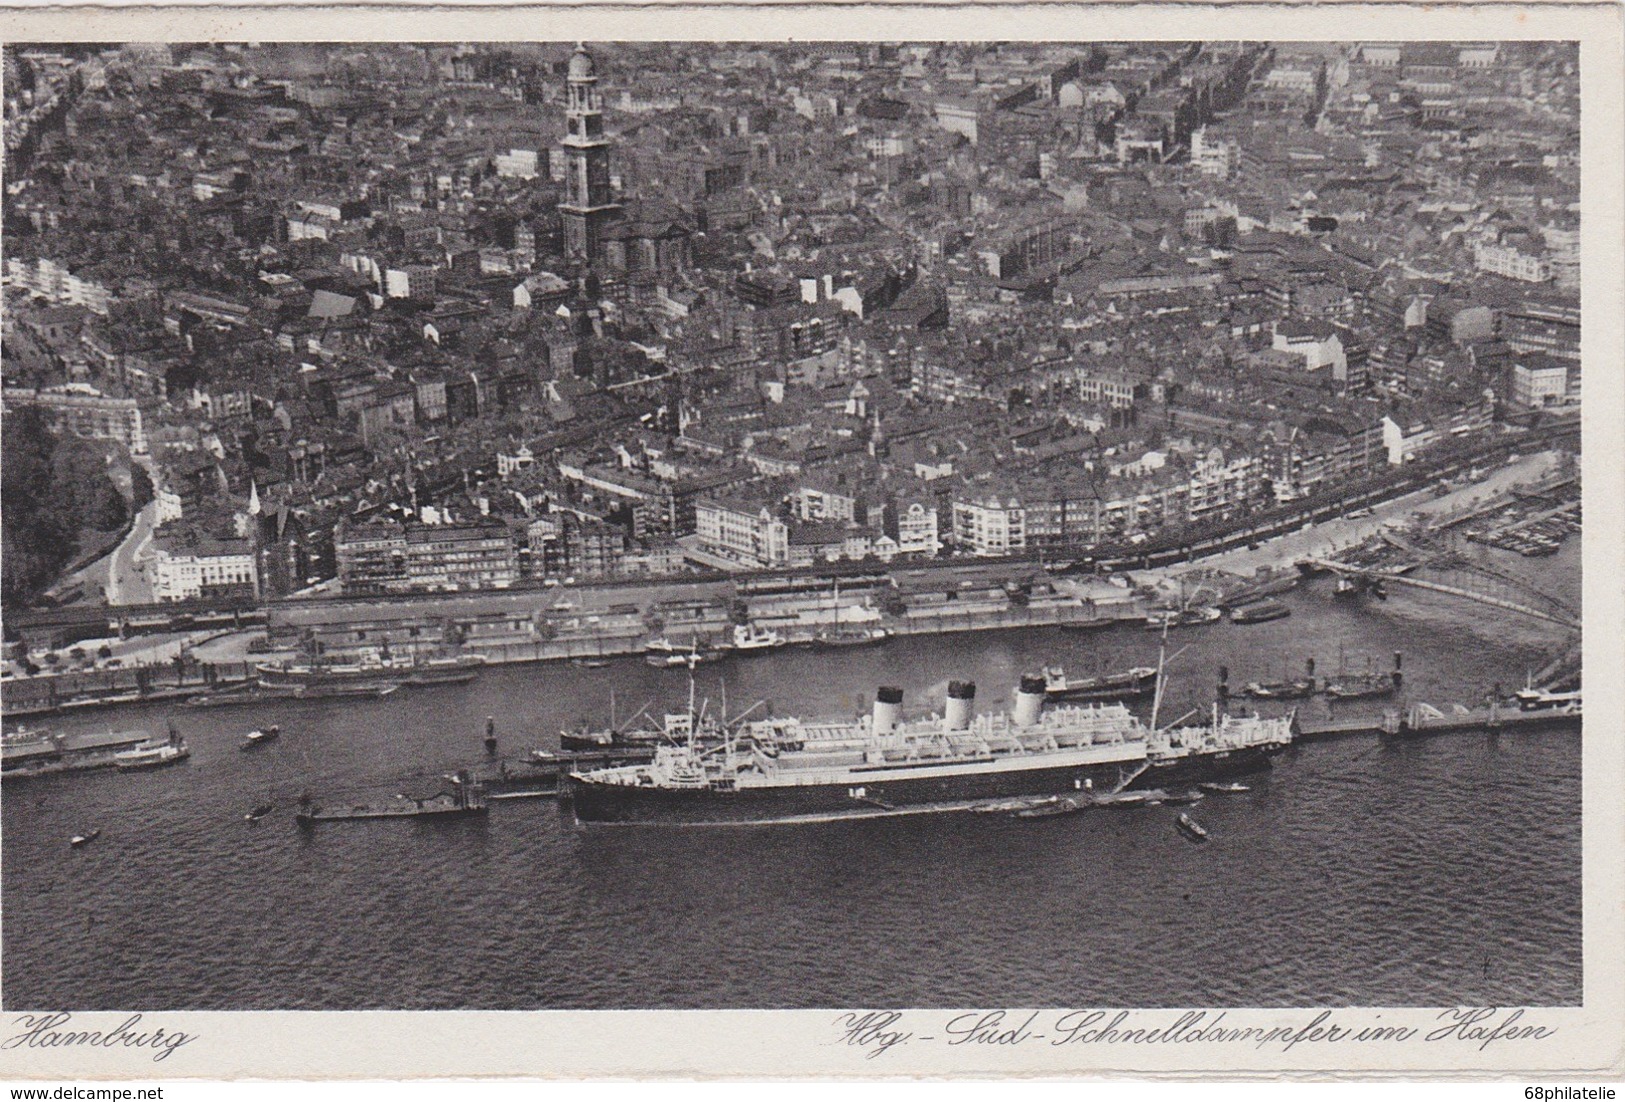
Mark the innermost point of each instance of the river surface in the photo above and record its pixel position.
(1441, 871)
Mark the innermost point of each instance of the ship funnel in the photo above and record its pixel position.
(1029, 700)
(956, 717)
(888, 704)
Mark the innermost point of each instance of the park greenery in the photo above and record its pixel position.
(56, 497)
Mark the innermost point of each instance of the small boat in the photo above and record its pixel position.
(1166, 618)
(1187, 796)
(1280, 690)
(86, 838)
(1531, 699)
(1257, 591)
(152, 755)
(1258, 612)
(1020, 803)
(584, 738)
(851, 637)
(258, 813)
(664, 655)
(260, 736)
(589, 663)
(1190, 828)
(1052, 808)
(750, 639)
(1361, 690)
(1122, 799)
(1223, 786)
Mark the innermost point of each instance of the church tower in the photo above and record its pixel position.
(588, 205)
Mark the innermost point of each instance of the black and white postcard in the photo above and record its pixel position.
(944, 540)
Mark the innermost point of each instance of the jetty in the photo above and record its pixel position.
(1424, 719)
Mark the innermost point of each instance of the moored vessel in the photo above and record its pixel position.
(466, 798)
(153, 754)
(29, 753)
(1128, 685)
(749, 639)
(1259, 612)
(1167, 618)
(851, 637)
(787, 769)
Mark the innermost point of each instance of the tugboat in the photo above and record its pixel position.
(260, 736)
(153, 754)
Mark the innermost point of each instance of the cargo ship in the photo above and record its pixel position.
(778, 770)
(369, 674)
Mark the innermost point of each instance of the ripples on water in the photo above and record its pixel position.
(1438, 872)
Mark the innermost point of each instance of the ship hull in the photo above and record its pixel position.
(1218, 765)
(860, 796)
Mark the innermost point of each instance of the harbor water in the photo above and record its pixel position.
(1435, 871)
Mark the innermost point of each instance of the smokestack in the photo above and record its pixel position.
(888, 703)
(956, 716)
(1029, 700)
(1224, 684)
(1399, 676)
(1309, 668)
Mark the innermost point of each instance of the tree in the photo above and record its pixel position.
(141, 488)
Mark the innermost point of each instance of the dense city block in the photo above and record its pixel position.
(391, 319)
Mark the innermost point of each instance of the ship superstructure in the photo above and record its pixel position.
(788, 768)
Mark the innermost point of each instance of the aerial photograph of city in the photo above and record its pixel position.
(765, 525)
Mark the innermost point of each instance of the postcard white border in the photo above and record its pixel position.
(1589, 1041)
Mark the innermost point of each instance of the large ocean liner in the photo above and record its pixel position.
(777, 769)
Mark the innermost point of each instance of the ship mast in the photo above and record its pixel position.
(1162, 657)
(691, 720)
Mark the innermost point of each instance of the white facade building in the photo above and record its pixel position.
(752, 536)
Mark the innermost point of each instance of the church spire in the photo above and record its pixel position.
(589, 204)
